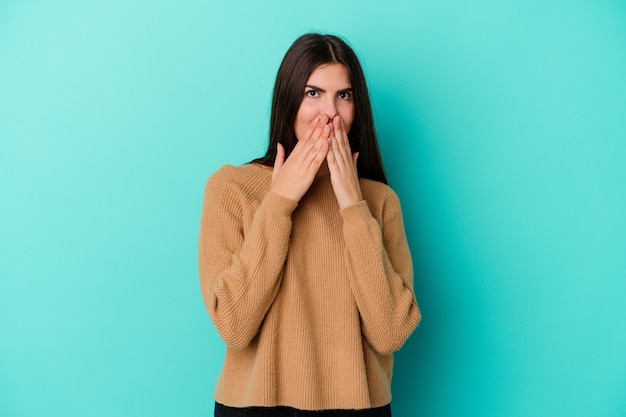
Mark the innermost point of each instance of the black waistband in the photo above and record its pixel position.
(225, 411)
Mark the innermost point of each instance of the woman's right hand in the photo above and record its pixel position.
(293, 177)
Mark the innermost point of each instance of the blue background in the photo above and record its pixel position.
(502, 126)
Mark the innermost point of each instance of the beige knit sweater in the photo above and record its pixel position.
(310, 300)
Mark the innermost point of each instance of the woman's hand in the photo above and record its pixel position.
(293, 177)
(342, 167)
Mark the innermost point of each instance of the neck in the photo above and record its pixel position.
(323, 170)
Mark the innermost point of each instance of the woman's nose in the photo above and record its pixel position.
(329, 109)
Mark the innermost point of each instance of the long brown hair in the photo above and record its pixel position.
(305, 54)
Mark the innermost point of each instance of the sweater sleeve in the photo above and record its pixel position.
(240, 271)
(382, 274)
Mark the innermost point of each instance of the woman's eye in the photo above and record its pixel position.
(311, 93)
(345, 95)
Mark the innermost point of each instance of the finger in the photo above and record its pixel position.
(312, 127)
(312, 136)
(335, 147)
(320, 130)
(317, 156)
(344, 133)
(342, 148)
(323, 152)
(279, 160)
(330, 156)
(344, 136)
(355, 156)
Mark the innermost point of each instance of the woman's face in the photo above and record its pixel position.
(328, 92)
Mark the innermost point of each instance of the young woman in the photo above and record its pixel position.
(304, 264)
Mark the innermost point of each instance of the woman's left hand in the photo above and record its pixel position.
(342, 166)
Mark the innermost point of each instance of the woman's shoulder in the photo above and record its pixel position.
(241, 172)
(379, 196)
(249, 177)
(376, 189)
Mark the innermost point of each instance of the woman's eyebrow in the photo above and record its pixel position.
(323, 91)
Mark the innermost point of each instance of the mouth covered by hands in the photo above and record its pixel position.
(324, 140)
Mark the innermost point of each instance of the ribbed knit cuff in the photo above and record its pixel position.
(279, 205)
(353, 213)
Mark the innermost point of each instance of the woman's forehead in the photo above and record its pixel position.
(332, 74)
